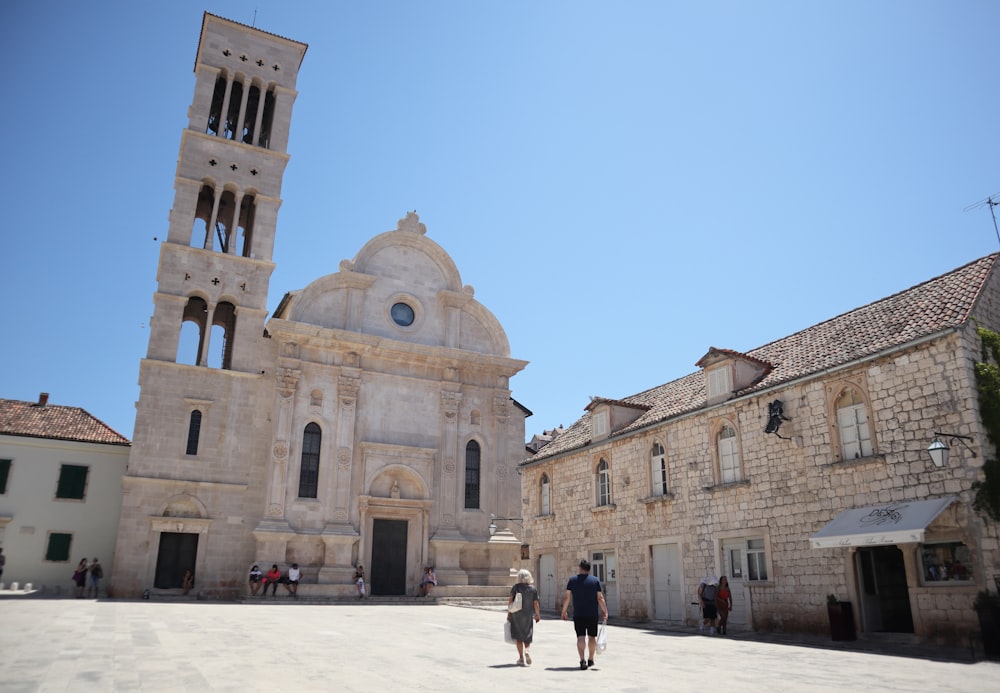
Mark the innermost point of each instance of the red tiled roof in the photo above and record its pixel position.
(29, 419)
(934, 306)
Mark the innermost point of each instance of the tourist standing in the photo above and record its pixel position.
(96, 573)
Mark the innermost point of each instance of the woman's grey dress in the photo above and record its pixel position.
(522, 623)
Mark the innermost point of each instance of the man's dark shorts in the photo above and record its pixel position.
(708, 610)
(585, 626)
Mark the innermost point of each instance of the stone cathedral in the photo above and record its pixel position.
(368, 420)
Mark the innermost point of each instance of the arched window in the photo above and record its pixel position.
(192, 338)
(224, 329)
(309, 469)
(472, 475)
(852, 420)
(194, 432)
(603, 483)
(546, 496)
(658, 469)
(729, 455)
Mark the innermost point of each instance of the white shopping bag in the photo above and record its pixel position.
(602, 638)
(507, 637)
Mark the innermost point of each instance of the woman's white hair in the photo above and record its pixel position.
(524, 575)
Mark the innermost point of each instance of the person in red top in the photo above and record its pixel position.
(272, 578)
(723, 603)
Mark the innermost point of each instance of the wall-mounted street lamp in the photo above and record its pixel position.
(494, 518)
(939, 450)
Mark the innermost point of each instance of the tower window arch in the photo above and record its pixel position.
(312, 437)
(603, 483)
(472, 466)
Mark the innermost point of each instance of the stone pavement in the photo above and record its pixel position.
(282, 645)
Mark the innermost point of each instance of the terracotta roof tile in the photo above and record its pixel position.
(29, 419)
(936, 305)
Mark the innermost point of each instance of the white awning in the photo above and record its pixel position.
(892, 523)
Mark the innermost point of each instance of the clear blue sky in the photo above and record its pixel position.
(625, 184)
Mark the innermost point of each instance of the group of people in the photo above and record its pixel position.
(87, 578)
(272, 578)
(716, 602)
(589, 610)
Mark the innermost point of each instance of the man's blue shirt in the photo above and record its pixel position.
(584, 589)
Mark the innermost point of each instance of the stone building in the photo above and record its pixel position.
(799, 469)
(369, 420)
(60, 491)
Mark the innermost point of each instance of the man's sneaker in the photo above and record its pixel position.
(590, 662)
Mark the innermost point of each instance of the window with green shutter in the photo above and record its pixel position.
(4, 473)
(72, 481)
(58, 548)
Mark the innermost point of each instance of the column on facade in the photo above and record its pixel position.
(259, 119)
(499, 461)
(238, 129)
(206, 336)
(223, 115)
(339, 535)
(283, 100)
(448, 542)
(288, 379)
(215, 215)
(234, 232)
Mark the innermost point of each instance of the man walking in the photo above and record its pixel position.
(588, 603)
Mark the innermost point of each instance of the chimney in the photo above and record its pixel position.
(43, 399)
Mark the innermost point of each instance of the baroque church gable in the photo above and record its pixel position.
(401, 267)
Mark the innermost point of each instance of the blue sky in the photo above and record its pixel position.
(625, 184)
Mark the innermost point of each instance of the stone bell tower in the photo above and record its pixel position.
(202, 416)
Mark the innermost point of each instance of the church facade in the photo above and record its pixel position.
(368, 421)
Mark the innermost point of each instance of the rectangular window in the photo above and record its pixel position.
(729, 460)
(756, 560)
(855, 438)
(601, 423)
(72, 481)
(4, 473)
(946, 562)
(58, 547)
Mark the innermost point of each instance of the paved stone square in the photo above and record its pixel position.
(86, 645)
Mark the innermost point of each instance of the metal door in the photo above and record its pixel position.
(177, 553)
(388, 569)
(668, 602)
(547, 590)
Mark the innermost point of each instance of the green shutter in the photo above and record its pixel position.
(58, 549)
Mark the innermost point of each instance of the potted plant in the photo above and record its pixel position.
(987, 606)
(841, 618)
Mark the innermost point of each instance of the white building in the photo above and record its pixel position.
(60, 491)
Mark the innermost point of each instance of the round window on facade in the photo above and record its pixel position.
(402, 314)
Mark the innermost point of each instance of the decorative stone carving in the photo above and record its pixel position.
(348, 388)
(447, 520)
(280, 451)
(288, 379)
(411, 223)
(394, 491)
(343, 457)
(340, 516)
(274, 510)
(316, 398)
(449, 466)
(501, 471)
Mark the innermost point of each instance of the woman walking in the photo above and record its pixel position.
(523, 611)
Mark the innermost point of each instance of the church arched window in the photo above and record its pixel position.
(309, 467)
(472, 455)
